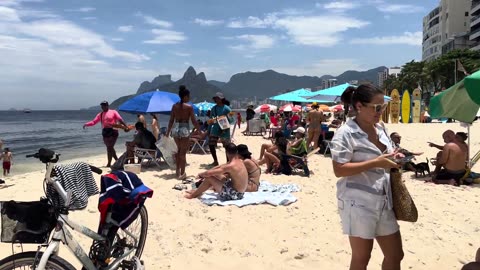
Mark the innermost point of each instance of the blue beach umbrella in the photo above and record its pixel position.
(205, 106)
(152, 102)
(332, 94)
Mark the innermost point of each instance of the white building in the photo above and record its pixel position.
(382, 76)
(445, 22)
(475, 25)
(395, 71)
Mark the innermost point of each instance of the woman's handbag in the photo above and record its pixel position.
(403, 204)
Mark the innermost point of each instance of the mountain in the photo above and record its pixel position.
(248, 84)
(198, 85)
(156, 83)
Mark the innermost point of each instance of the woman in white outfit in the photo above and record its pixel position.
(362, 156)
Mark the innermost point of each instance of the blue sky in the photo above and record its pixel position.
(72, 54)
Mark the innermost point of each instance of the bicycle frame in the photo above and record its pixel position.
(62, 233)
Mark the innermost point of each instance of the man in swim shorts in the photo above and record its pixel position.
(229, 180)
(7, 161)
(453, 159)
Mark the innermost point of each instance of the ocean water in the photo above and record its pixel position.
(25, 133)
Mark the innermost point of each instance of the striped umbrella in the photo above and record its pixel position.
(265, 108)
(290, 108)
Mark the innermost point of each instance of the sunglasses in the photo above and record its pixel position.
(378, 107)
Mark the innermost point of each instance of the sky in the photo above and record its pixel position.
(71, 54)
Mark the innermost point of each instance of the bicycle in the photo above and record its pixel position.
(111, 249)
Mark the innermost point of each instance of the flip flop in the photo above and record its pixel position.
(179, 187)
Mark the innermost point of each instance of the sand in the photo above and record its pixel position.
(185, 234)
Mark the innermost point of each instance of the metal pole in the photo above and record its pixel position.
(469, 160)
(455, 71)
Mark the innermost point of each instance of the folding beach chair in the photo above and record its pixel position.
(200, 144)
(327, 145)
(292, 163)
(150, 155)
(232, 131)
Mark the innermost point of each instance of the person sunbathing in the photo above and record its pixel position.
(252, 166)
(229, 180)
(270, 148)
(273, 159)
(452, 159)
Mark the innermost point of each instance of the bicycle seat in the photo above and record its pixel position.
(47, 155)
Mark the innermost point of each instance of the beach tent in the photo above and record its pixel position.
(152, 102)
(331, 94)
(296, 96)
(460, 102)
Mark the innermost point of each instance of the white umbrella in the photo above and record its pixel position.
(265, 108)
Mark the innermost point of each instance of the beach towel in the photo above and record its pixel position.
(268, 193)
(76, 177)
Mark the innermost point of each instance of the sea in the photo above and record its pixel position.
(61, 131)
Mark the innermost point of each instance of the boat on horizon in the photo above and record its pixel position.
(27, 110)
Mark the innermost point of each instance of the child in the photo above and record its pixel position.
(239, 119)
(7, 161)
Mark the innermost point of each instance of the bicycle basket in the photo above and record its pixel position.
(26, 222)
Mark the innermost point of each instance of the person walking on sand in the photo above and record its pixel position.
(314, 118)
(216, 132)
(239, 119)
(108, 118)
(155, 126)
(7, 158)
(250, 113)
(361, 156)
(182, 113)
(229, 180)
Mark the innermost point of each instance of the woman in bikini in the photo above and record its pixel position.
(252, 166)
(182, 113)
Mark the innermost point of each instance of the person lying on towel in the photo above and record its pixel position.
(230, 180)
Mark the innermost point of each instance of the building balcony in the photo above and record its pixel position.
(476, 48)
(475, 20)
(475, 34)
(475, 8)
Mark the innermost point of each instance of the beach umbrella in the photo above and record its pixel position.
(337, 108)
(204, 106)
(331, 94)
(152, 102)
(324, 108)
(265, 108)
(290, 108)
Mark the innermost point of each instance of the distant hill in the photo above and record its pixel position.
(248, 84)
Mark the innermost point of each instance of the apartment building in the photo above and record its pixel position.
(475, 25)
(446, 24)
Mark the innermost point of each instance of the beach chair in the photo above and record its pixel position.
(198, 144)
(232, 131)
(296, 164)
(256, 127)
(149, 155)
(327, 144)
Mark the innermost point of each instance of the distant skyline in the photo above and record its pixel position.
(72, 54)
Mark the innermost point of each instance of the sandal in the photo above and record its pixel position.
(179, 187)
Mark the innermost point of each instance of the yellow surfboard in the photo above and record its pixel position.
(394, 106)
(416, 105)
(406, 107)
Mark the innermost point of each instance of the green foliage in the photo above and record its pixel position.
(436, 74)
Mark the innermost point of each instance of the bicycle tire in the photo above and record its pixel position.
(26, 259)
(143, 215)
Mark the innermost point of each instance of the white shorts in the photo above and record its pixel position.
(367, 219)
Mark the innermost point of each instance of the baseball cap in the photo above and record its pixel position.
(219, 95)
(104, 103)
(299, 130)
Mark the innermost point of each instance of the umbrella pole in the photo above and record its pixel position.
(468, 156)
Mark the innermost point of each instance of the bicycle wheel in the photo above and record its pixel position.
(25, 260)
(137, 228)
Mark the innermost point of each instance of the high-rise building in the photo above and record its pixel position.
(395, 71)
(475, 25)
(443, 24)
(382, 76)
(329, 83)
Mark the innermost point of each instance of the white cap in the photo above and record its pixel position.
(299, 130)
(219, 95)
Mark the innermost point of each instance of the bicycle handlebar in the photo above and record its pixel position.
(95, 169)
(49, 156)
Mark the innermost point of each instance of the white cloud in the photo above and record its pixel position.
(8, 15)
(204, 22)
(82, 9)
(163, 36)
(321, 31)
(408, 38)
(321, 67)
(151, 20)
(125, 28)
(117, 39)
(181, 54)
(89, 18)
(338, 6)
(18, 2)
(255, 42)
(252, 22)
(399, 8)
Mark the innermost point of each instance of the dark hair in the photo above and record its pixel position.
(225, 102)
(363, 93)
(462, 135)
(272, 113)
(183, 92)
(154, 116)
(231, 149)
(282, 144)
(139, 125)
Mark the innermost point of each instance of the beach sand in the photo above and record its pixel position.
(185, 234)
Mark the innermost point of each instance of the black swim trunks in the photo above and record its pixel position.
(446, 175)
(229, 193)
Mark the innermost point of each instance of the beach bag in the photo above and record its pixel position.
(403, 204)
